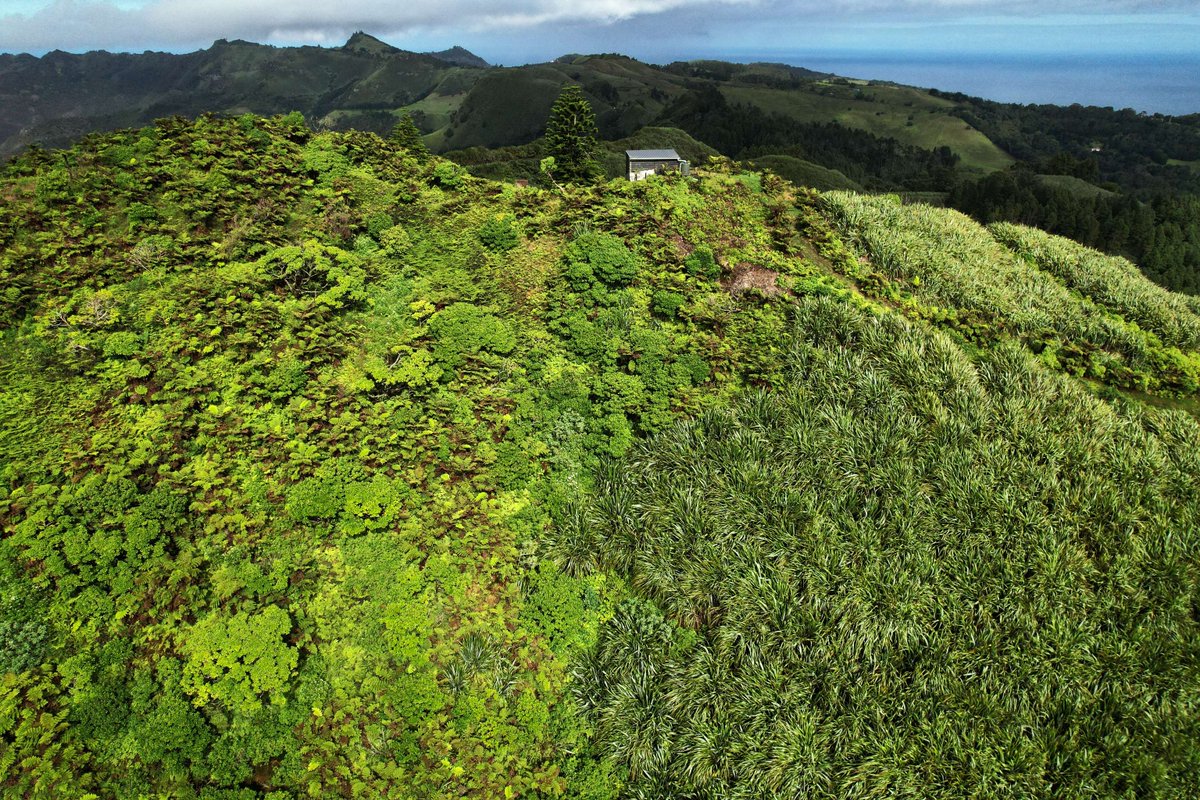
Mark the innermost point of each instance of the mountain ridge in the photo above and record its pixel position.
(814, 127)
(56, 98)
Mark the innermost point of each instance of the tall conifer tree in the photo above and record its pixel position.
(406, 135)
(571, 136)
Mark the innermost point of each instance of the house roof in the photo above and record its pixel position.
(652, 155)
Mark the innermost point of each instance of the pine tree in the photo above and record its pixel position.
(571, 137)
(406, 135)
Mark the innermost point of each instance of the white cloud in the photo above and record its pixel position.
(126, 24)
(78, 24)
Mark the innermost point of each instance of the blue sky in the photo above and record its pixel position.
(520, 31)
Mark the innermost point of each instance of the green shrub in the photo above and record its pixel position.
(667, 304)
(599, 257)
(463, 329)
(315, 498)
(499, 233)
(702, 263)
(121, 344)
(379, 222)
(448, 175)
(23, 644)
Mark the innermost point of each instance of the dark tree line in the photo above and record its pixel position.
(1131, 149)
(1161, 235)
(743, 131)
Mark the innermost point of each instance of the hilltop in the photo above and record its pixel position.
(58, 98)
(329, 469)
(1119, 181)
(460, 102)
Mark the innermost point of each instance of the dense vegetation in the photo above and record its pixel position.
(818, 130)
(1161, 235)
(745, 131)
(282, 423)
(330, 470)
(903, 573)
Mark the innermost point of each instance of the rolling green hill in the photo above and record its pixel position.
(908, 115)
(60, 97)
(522, 161)
(804, 173)
(331, 471)
(1074, 185)
(455, 98)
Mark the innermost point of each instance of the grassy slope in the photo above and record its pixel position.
(883, 110)
(1075, 185)
(907, 571)
(1118, 326)
(336, 399)
(805, 173)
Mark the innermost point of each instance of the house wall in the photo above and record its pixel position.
(644, 168)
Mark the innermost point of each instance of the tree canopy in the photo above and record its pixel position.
(571, 137)
(406, 134)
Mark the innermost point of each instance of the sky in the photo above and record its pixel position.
(525, 31)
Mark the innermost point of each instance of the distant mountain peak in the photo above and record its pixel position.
(366, 43)
(461, 57)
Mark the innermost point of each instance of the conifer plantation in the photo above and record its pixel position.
(328, 469)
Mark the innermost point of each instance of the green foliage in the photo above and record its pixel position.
(571, 137)
(700, 262)
(811, 584)
(299, 472)
(24, 644)
(499, 234)
(379, 223)
(463, 329)
(237, 660)
(599, 259)
(405, 135)
(448, 175)
(667, 304)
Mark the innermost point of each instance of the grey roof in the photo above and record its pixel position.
(652, 155)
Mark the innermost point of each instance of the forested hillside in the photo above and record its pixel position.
(60, 97)
(1161, 233)
(1116, 180)
(328, 469)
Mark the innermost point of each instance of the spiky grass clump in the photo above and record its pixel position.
(903, 575)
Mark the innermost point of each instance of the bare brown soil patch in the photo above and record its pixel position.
(747, 276)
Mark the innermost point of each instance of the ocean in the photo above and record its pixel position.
(1151, 84)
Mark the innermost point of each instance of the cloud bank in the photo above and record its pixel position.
(176, 24)
(78, 24)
